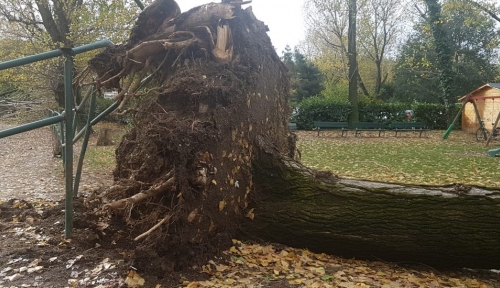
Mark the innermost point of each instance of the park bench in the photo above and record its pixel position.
(322, 126)
(409, 127)
(369, 126)
(292, 126)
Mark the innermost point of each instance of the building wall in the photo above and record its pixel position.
(488, 110)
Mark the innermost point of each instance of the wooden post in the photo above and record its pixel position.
(493, 131)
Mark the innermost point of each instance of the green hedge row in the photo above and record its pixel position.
(322, 109)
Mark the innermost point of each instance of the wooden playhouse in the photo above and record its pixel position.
(487, 106)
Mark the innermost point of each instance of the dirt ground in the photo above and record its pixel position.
(34, 253)
(28, 170)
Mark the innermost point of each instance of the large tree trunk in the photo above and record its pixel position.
(212, 139)
(454, 226)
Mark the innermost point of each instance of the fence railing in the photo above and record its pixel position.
(66, 120)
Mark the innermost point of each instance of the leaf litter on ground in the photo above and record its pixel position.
(253, 265)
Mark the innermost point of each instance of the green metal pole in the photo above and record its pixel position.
(30, 59)
(84, 145)
(92, 46)
(31, 126)
(98, 118)
(75, 122)
(80, 106)
(68, 148)
(63, 140)
(448, 131)
(105, 113)
(53, 53)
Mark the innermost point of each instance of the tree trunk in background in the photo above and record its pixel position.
(443, 51)
(455, 226)
(353, 63)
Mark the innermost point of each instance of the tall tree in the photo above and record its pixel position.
(352, 62)
(305, 77)
(473, 39)
(444, 55)
(379, 25)
(327, 23)
(53, 24)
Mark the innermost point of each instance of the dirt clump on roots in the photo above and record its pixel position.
(183, 179)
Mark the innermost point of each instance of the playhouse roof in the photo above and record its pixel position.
(478, 95)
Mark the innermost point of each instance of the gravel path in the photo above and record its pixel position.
(28, 170)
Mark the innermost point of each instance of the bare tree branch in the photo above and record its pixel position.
(488, 11)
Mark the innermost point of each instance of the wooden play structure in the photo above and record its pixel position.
(481, 104)
(480, 107)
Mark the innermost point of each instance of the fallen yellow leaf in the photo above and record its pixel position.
(192, 215)
(222, 204)
(250, 214)
(134, 280)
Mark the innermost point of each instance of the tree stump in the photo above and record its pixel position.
(104, 137)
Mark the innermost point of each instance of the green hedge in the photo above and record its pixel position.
(322, 109)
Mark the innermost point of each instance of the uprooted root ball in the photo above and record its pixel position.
(183, 179)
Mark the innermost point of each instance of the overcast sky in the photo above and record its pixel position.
(284, 18)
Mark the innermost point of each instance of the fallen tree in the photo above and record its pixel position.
(210, 150)
(450, 226)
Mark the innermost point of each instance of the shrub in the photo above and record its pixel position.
(329, 110)
(321, 109)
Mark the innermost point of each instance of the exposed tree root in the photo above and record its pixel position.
(145, 234)
(143, 195)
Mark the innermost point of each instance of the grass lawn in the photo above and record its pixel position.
(102, 158)
(407, 159)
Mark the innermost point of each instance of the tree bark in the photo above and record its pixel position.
(353, 62)
(448, 226)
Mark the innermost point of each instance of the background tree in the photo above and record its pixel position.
(488, 7)
(473, 42)
(305, 77)
(380, 25)
(352, 61)
(44, 25)
(444, 54)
